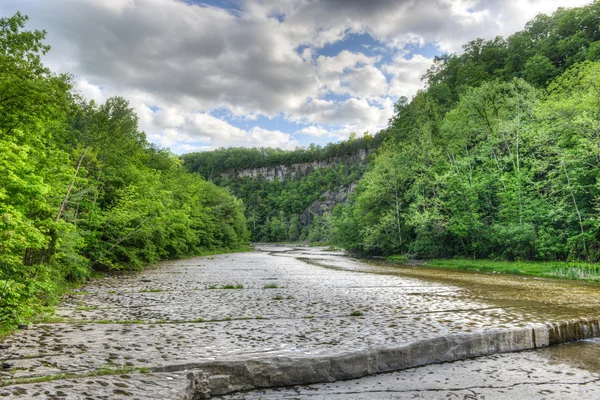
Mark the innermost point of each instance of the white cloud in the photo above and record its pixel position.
(191, 128)
(367, 81)
(353, 115)
(177, 62)
(315, 130)
(332, 69)
(181, 53)
(397, 23)
(406, 74)
(89, 91)
(351, 111)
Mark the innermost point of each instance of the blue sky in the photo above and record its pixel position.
(204, 74)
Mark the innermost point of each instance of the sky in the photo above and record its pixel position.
(204, 74)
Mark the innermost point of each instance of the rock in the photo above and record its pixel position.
(326, 203)
(299, 170)
(198, 386)
(219, 384)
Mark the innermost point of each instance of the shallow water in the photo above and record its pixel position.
(179, 313)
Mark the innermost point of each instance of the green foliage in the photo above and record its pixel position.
(275, 230)
(280, 210)
(82, 189)
(213, 164)
(319, 230)
(498, 158)
(482, 163)
(539, 70)
(293, 233)
(548, 269)
(544, 49)
(509, 172)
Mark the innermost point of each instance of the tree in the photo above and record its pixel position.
(539, 70)
(294, 229)
(81, 188)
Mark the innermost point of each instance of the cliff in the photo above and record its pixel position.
(297, 171)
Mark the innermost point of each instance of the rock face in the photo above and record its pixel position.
(297, 171)
(328, 200)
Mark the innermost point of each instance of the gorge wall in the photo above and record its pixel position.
(299, 170)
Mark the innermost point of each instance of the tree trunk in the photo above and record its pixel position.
(64, 202)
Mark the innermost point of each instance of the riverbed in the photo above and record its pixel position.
(140, 335)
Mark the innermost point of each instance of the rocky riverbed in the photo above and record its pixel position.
(568, 371)
(145, 335)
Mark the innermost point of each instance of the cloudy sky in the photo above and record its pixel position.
(203, 74)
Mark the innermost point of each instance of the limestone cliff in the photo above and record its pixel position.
(328, 200)
(296, 171)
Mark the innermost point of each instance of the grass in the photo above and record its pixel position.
(271, 286)
(86, 308)
(151, 290)
(357, 314)
(228, 286)
(398, 258)
(547, 269)
(5, 331)
(237, 286)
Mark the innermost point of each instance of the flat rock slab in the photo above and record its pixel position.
(570, 371)
(276, 302)
(153, 386)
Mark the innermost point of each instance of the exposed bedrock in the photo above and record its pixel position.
(281, 316)
(241, 375)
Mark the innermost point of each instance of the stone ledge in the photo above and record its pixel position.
(241, 375)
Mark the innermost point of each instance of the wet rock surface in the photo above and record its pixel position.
(276, 302)
(569, 371)
(123, 386)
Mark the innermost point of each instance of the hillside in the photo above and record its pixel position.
(82, 190)
(497, 158)
(288, 195)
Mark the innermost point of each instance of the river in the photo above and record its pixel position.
(283, 315)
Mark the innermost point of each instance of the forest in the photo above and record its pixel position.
(82, 190)
(499, 157)
(279, 210)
